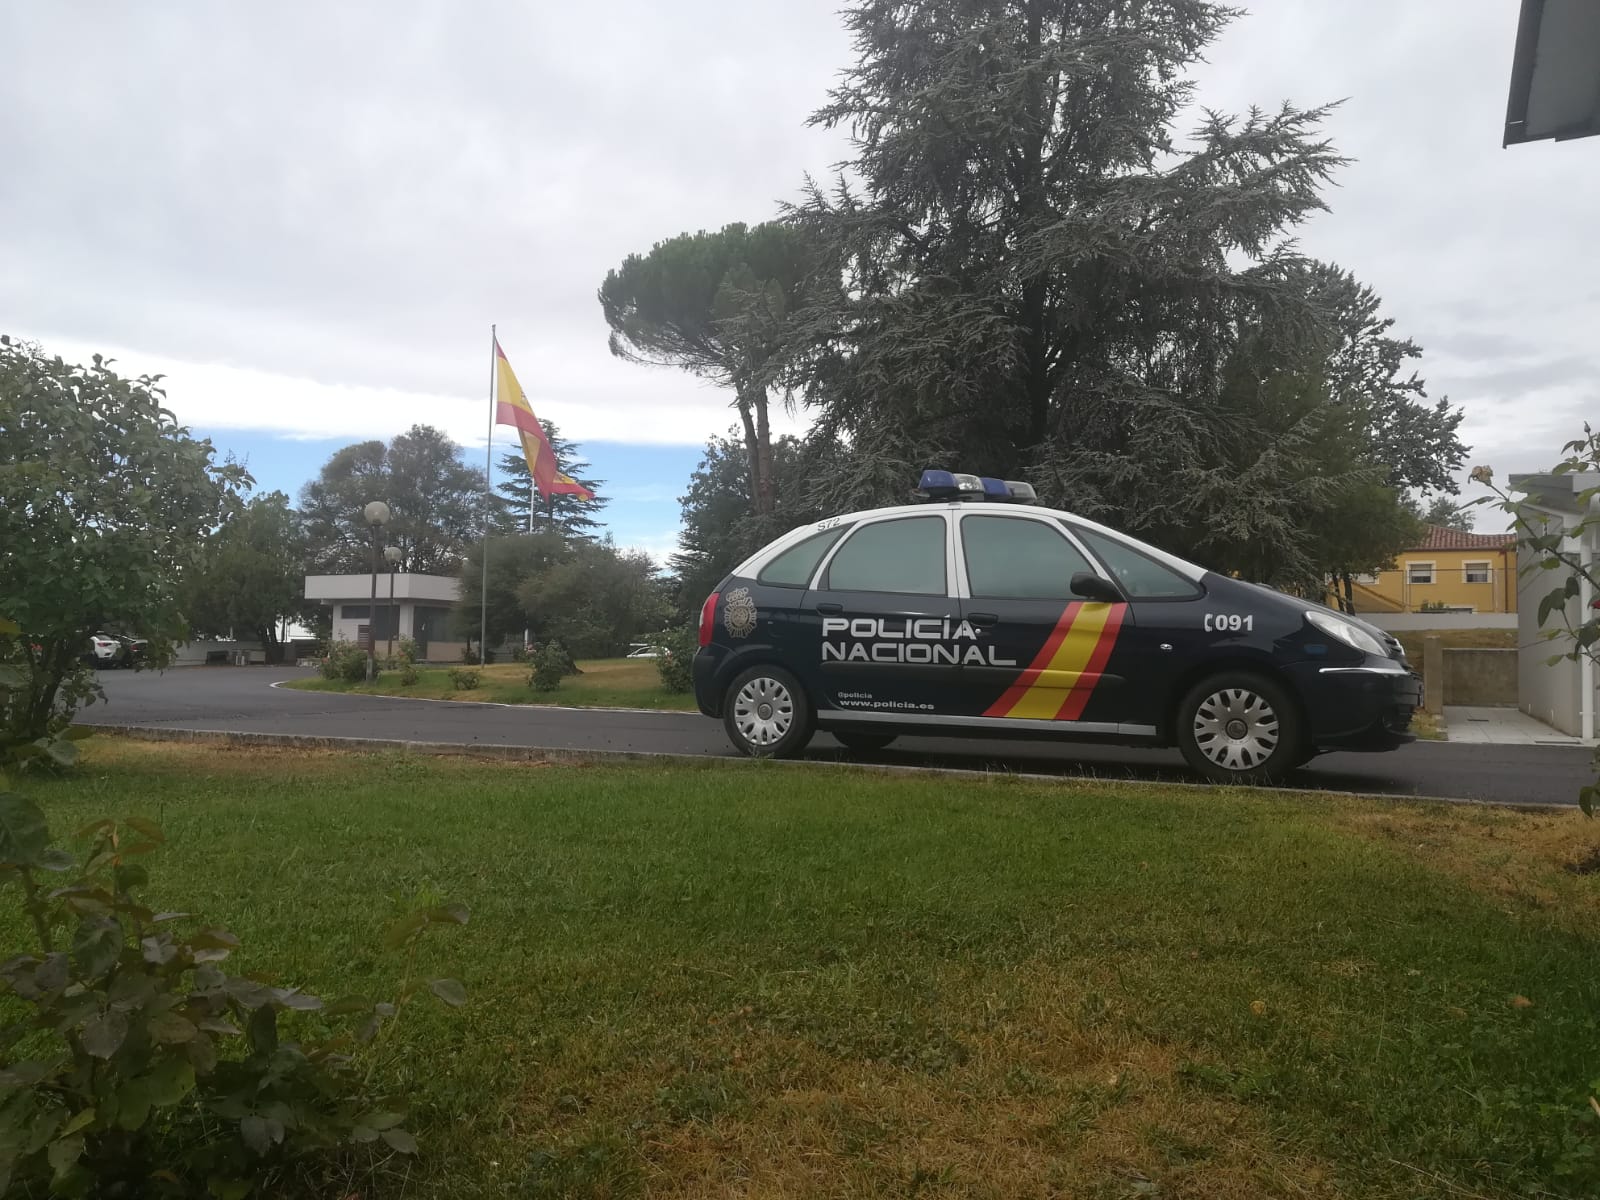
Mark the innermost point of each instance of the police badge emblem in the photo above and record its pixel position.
(739, 613)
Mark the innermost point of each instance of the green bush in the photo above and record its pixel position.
(551, 664)
(141, 1068)
(678, 648)
(409, 675)
(21, 746)
(406, 651)
(346, 661)
(519, 653)
(464, 679)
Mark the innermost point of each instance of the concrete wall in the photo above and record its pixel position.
(1395, 622)
(1482, 678)
(1548, 692)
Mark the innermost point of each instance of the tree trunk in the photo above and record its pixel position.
(752, 448)
(766, 500)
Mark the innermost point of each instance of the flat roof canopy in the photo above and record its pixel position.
(1555, 72)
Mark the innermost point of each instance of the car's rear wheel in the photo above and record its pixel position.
(864, 742)
(1238, 727)
(766, 713)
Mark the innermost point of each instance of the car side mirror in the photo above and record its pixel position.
(1092, 587)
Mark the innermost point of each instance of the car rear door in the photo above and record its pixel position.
(883, 611)
(1048, 651)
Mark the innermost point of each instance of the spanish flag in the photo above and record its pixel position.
(512, 408)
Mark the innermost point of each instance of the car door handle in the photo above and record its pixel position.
(983, 619)
(829, 608)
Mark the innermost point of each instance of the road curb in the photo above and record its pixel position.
(283, 684)
(495, 752)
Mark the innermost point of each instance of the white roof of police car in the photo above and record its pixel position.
(1185, 568)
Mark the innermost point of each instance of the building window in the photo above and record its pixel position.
(430, 623)
(1419, 572)
(355, 612)
(1477, 572)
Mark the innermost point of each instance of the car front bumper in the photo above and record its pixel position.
(1360, 707)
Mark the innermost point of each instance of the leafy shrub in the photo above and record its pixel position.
(20, 745)
(409, 675)
(406, 651)
(346, 661)
(551, 665)
(464, 679)
(678, 648)
(142, 1068)
(519, 653)
(471, 658)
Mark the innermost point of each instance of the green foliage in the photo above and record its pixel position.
(465, 679)
(405, 650)
(593, 598)
(551, 664)
(719, 530)
(679, 645)
(720, 305)
(437, 504)
(346, 661)
(409, 675)
(20, 748)
(512, 560)
(141, 1067)
(251, 575)
(105, 504)
(569, 517)
(1040, 277)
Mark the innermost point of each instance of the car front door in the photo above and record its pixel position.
(885, 615)
(1049, 651)
(1169, 631)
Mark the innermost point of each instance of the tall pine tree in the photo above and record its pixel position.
(1036, 277)
(571, 517)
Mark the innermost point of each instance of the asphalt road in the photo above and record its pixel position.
(242, 699)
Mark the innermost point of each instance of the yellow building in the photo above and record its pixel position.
(1449, 571)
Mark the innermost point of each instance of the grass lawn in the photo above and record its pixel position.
(767, 981)
(605, 683)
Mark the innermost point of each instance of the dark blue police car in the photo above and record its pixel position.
(977, 612)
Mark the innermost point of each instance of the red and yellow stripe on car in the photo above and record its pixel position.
(1058, 683)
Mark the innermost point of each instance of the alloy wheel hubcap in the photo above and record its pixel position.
(1236, 729)
(763, 711)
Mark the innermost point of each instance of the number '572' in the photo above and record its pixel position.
(1229, 622)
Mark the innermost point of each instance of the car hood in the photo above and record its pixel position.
(1300, 604)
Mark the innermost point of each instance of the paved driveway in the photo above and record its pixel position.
(242, 699)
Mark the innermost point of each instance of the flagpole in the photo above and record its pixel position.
(488, 507)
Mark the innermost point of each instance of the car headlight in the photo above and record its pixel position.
(1350, 634)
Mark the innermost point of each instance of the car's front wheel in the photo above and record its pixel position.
(1237, 727)
(766, 713)
(866, 743)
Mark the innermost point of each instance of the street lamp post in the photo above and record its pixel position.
(392, 556)
(377, 516)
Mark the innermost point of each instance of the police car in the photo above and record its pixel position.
(977, 612)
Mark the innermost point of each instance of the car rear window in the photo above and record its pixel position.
(1018, 558)
(796, 565)
(904, 555)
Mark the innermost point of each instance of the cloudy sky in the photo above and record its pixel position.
(307, 215)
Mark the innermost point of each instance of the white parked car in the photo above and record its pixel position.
(643, 650)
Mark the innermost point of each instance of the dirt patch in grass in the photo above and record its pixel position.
(1039, 1108)
(1544, 861)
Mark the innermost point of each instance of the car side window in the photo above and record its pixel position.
(796, 565)
(1141, 577)
(1017, 558)
(906, 555)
